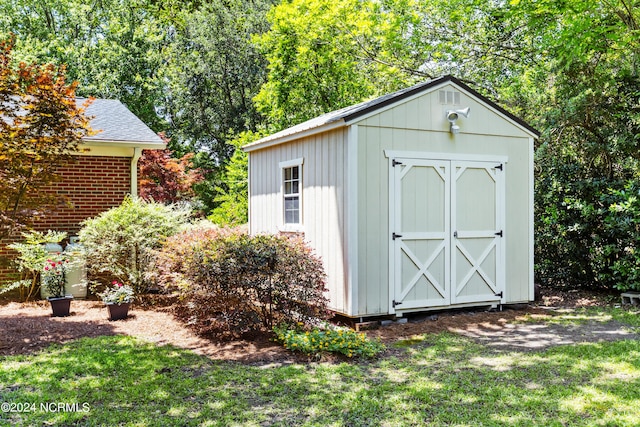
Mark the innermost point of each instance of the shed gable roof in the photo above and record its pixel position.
(116, 124)
(347, 115)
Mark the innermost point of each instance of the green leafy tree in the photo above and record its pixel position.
(216, 72)
(324, 55)
(233, 194)
(41, 126)
(113, 48)
(587, 159)
(313, 49)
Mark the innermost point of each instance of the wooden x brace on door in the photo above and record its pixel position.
(476, 266)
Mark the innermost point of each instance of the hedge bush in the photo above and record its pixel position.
(587, 230)
(235, 285)
(178, 255)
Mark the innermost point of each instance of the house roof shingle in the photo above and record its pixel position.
(115, 123)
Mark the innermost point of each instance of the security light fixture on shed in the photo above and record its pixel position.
(454, 115)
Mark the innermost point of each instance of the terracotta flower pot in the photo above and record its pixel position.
(60, 306)
(118, 311)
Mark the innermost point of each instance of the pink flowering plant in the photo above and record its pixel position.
(53, 275)
(117, 294)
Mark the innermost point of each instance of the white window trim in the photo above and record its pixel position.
(283, 165)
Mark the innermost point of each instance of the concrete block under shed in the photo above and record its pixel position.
(362, 326)
(631, 298)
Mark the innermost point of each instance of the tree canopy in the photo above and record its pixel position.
(205, 72)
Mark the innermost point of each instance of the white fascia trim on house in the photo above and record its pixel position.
(274, 139)
(132, 144)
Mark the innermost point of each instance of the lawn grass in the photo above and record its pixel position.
(629, 315)
(441, 379)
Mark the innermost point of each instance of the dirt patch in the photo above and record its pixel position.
(27, 328)
(527, 337)
(511, 330)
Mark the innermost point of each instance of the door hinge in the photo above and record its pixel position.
(499, 233)
(394, 162)
(394, 303)
(498, 167)
(396, 236)
(499, 294)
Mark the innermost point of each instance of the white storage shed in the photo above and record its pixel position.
(418, 200)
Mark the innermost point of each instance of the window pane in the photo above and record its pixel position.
(288, 217)
(295, 187)
(291, 203)
(295, 170)
(292, 210)
(287, 174)
(287, 187)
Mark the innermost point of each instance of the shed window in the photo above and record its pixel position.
(292, 191)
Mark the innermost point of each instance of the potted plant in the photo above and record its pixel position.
(33, 252)
(118, 299)
(53, 281)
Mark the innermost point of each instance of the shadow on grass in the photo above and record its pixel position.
(446, 380)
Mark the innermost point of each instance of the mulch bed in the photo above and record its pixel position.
(28, 327)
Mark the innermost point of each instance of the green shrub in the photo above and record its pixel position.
(335, 340)
(587, 230)
(120, 242)
(238, 284)
(31, 260)
(622, 224)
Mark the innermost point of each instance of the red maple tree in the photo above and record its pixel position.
(41, 126)
(166, 179)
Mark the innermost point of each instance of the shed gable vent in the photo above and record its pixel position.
(449, 97)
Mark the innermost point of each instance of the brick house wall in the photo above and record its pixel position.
(91, 185)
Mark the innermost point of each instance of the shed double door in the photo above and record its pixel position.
(447, 237)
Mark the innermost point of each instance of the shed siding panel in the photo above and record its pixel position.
(374, 202)
(432, 116)
(323, 201)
